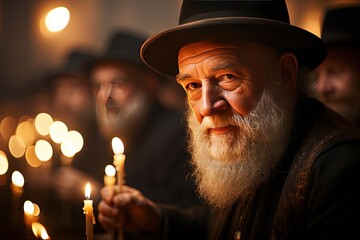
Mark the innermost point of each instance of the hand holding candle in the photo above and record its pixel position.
(89, 214)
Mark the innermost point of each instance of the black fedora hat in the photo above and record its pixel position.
(341, 25)
(123, 45)
(262, 21)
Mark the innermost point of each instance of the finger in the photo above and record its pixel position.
(107, 209)
(107, 194)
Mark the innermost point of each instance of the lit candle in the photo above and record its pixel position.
(119, 159)
(31, 212)
(17, 183)
(88, 211)
(119, 163)
(109, 178)
(39, 231)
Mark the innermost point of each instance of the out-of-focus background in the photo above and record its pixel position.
(30, 54)
(28, 49)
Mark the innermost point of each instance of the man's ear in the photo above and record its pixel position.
(289, 70)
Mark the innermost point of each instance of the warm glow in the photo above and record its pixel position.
(31, 157)
(4, 163)
(43, 150)
(17, 179)
(57, 19)
(87, 191)
(110, 170)
(7, 127)
(36, 210)
(16, 146)
(117, 145)
(44, 234)
(39, 230)
(43, 122)
(26, 132)
(29, 208)
(73, 143)
(58, 131)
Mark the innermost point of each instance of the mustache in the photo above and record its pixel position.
(110, 103)
(222, 120)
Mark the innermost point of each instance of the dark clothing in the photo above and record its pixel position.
(314, 193)
(157, 162)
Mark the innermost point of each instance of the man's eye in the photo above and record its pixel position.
(192, 86)
(228, 76)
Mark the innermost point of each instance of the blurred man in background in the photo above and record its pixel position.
(337, 79)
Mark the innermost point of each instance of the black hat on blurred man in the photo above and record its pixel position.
(341, 26)
(262, 21)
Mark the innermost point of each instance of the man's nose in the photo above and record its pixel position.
(212, 100)
(106, 91)
(324, 84)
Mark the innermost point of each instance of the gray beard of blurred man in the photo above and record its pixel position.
(126, 120)
(233, 165)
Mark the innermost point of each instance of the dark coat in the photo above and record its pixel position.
(325, 207)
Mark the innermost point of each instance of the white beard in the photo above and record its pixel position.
(124, 120)
(233, 165)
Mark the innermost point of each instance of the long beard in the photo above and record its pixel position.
(233, 165)
(125, 119)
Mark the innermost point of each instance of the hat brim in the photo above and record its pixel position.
(160, 52)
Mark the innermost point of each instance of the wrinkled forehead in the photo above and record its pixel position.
(207, 47)
(210, 48)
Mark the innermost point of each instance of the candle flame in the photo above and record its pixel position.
(17, 179)
(39, 230)
(44, 234)
(29, 207)
(110, 170)
(117, 145)
(87, 191)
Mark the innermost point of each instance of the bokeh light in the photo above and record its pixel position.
(16, 146)
(43, 122)
(110, 170)
(4, 163)
(17, 179)
(29, 207)
(31, 157)
(7, 127)
(43, 150)
(57, 19)
(26, 132)
(58, 131)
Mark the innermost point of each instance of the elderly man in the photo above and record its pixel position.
(272, 163)
(337, 79)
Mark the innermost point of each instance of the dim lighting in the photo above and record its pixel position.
(57, 19)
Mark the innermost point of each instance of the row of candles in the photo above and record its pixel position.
(31, 210)
(109, 180)
(58, 132)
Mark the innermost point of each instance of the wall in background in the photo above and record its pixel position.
(27, 53)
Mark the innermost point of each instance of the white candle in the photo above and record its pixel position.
(109, 178)
(119, 163)
(119, 159)
(89, 214)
